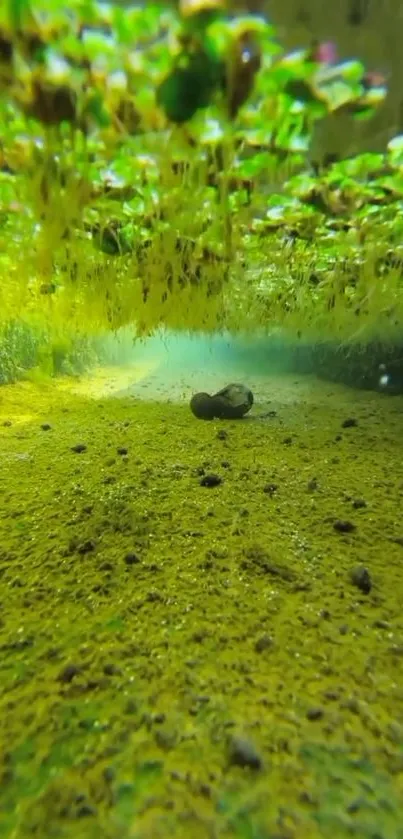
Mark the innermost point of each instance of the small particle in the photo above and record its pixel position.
(86, 547)
(222, 434)
(244, 753)
(361, 578)
(270, 489)
(265, 642)
(314, 714)
(342, 526)
(68, 673)
(381, 624)
(132, 559)
(78, 448)
(359, 503)
(350, 422)
(86, 810)
(122, 450)
(210, 480)
(45, 426)
(111, 670)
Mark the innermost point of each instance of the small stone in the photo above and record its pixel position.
(344, 526)
(210, 480)
(68, 673)
(270, 489)
(361, 578)
(132, 559)
(86, 547)
(350, 422)
(244, 753)
(79, 448)
(359, 503)
(314, 714)
(86, 810)
(45, 426)
(265, 642)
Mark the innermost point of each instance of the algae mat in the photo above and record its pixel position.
(188, 656)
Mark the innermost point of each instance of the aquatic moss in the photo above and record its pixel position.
(119, 210)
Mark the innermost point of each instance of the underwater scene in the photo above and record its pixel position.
(201, 419)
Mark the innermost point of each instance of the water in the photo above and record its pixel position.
(201, 630)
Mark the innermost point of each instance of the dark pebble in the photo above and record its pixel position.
(342, 526)
(243, 753)
(314, 714)
(45, 426)
(210, 481)
(265, 642)
(86, 547)
(361, 578)
(68, 673)
(350, 422)
(86, 810)
(359, 503)
(78, 448)
(132, 559)
(270, 489)
(122, 450)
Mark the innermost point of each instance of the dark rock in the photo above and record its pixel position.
(343, 526)
(270, 489)
(350, 422)
(210, 480)
(361, 578)
(86, 547)
(232, 402)
(78, 448)
(132, 559)
(243, 753)
(314, 714)
(86, 810)
(265, 642)
(68, 673)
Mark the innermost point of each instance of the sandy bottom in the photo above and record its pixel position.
(190, 645)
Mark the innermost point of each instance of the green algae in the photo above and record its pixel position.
(146, 619)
